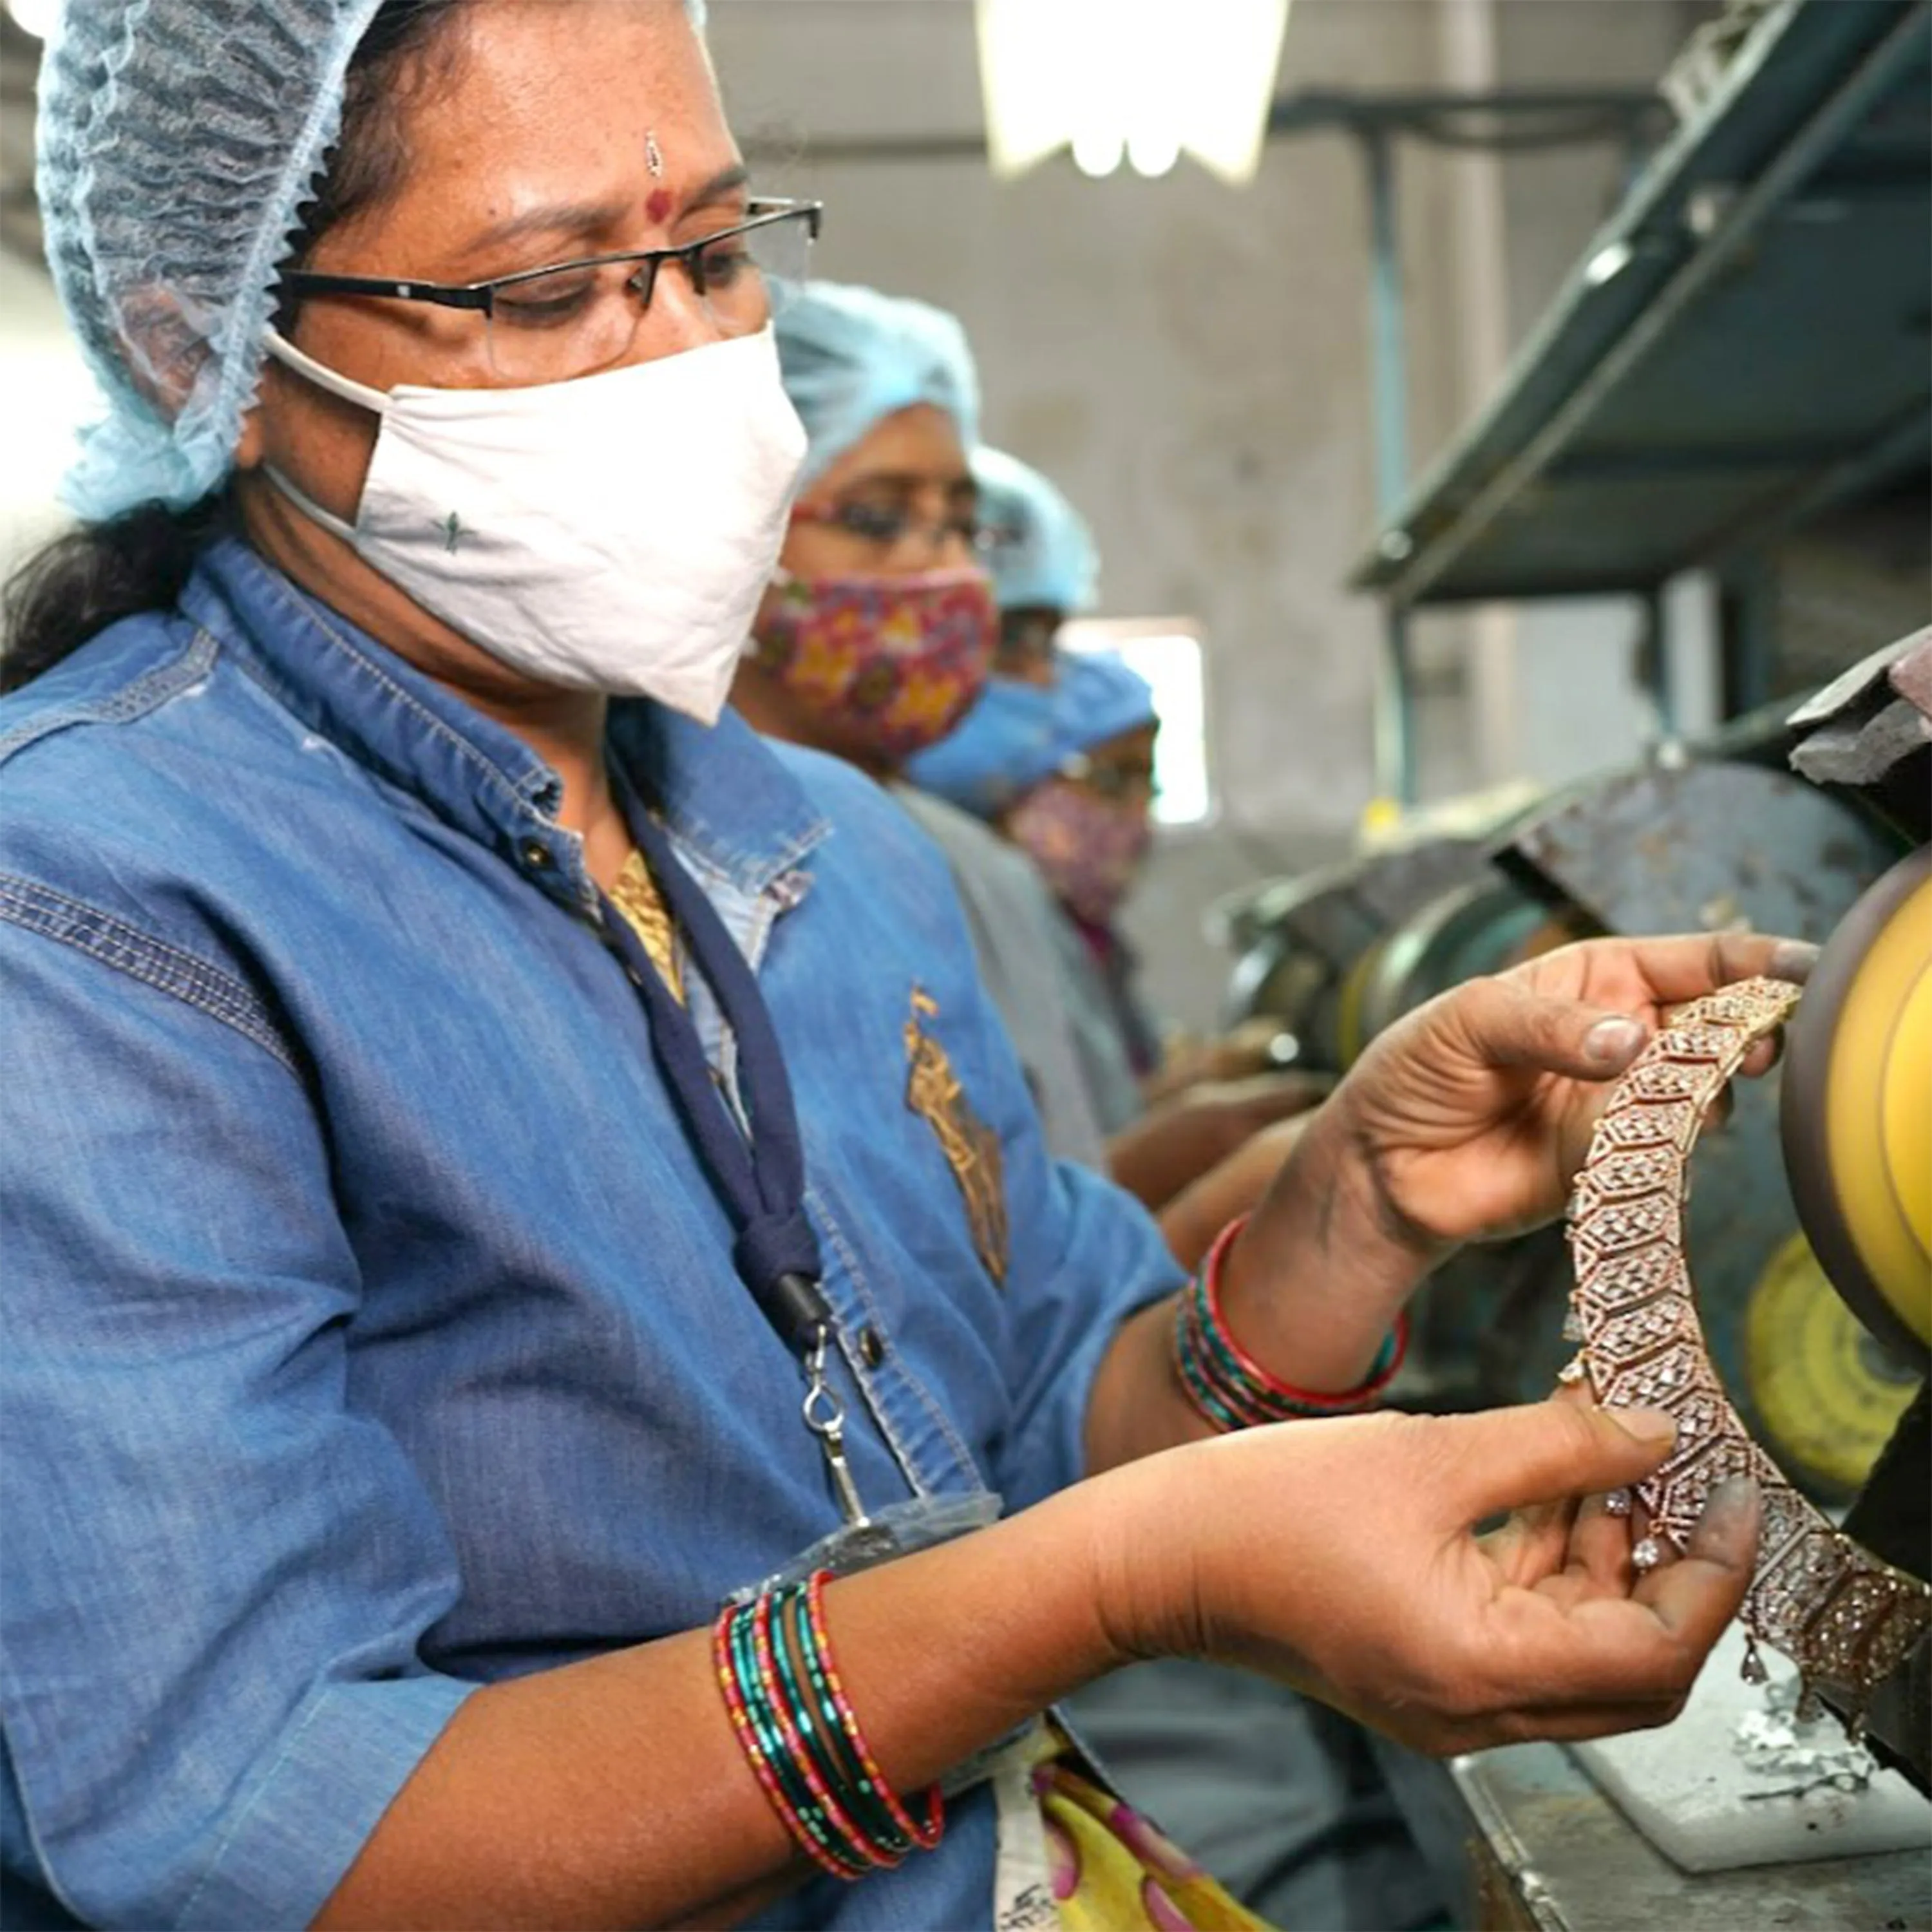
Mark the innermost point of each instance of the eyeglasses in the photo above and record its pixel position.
(1028, 638)
(886, 525)
(573, 318)
(1111, 782)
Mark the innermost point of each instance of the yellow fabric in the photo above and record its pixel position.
(1112, 1871)
(636, 895)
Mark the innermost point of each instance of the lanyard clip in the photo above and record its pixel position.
(825, 1417)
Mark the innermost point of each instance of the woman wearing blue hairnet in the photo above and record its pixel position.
(498, 1162)
(879, 632)
(1057, 753)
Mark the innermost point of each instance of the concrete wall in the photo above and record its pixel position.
(1191, 363)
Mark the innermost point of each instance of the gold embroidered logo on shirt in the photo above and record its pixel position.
(971, 1148)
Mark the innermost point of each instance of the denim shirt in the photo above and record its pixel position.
(370, 1331)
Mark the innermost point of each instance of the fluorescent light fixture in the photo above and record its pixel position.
(34, 16)
(1153, 151)
(1143, 81)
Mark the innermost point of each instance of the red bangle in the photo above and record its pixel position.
(1233, 1389)
(826, 1798)
(801, 1834)
(925, 1836)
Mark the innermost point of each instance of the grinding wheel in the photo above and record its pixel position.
(1857, 1108)
(1486, 925)
(1828, 1396)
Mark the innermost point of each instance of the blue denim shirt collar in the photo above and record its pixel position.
(730, 803)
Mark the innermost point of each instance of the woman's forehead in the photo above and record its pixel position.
(569, 120)
(915, 448)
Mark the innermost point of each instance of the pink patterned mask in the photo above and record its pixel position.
(1088, 849)
(885, 665)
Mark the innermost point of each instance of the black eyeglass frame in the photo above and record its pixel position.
(481, 296)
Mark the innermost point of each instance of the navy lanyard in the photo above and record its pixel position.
(757, 1168)
(759, 1174)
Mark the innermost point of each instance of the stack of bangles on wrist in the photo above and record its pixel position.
(1229, 1386)
(797, 1728)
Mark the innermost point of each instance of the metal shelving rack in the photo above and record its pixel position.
(1745, 344)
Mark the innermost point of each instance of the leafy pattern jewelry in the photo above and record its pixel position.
(1844, 1618)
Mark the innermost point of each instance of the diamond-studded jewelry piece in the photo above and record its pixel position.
(1844, 1618)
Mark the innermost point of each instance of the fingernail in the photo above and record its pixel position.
(1792, 959)
(1610, 1042)
(1649, 1426)
(1731, 1505)
(1732, 1502)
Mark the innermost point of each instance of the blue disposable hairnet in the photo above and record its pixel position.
(1016, 734)
(177, 139)
(1097, 697)
(1043, 556)
(1003, 747)
(852, 357)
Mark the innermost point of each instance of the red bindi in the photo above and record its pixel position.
(658, 206)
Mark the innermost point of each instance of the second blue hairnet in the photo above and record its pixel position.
(852, 357)
(1043, 556)
(1097, 696)
(1018, 734)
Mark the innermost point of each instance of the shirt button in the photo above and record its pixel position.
(536, 855)
(871, 1346)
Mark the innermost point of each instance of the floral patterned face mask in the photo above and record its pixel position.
(1088, 849)
(885, 665)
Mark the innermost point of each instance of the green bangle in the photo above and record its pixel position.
(797, 1792)
(824, 1733)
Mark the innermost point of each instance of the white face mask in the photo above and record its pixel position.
(614, 533)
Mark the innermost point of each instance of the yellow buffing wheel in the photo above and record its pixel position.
(1826, 1394)
(1856, 1111)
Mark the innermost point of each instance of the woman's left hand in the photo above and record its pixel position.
(1470, 1116)
(1464, 1122)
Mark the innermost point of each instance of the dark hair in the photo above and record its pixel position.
(83, 580)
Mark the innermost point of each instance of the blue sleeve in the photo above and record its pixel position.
(1086, 1255)
(217, 1573)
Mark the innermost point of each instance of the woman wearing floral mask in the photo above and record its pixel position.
(879, 628)
(507, 1180)
(878, 633)
(1087, 824)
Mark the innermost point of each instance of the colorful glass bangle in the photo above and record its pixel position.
(825, 1742)
(799, 1763)
(802, 1812)
(797, 1728)
(756, 1745)
(925, 1836)
(1229, 1386)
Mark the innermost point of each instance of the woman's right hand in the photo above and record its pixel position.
(1342, 1556)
